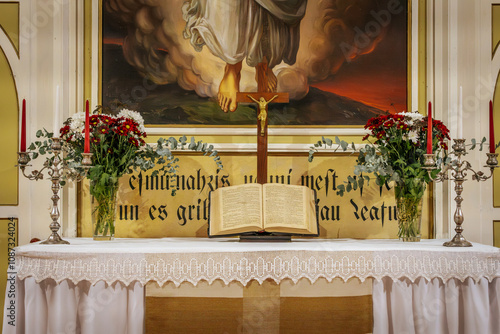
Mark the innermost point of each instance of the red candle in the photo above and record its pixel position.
(23, 128)
(429, 129)
(87, 142)
(492, 130)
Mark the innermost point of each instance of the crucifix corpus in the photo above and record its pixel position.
(263, 99)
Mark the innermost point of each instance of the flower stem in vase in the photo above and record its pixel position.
(104, 210)
(409, 199)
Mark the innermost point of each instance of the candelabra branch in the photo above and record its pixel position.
(57, 169)
(458, 170)
(23, 159)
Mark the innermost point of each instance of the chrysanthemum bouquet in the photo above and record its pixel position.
(397, 144)
(118, 146)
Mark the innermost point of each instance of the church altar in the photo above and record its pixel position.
(54, 281)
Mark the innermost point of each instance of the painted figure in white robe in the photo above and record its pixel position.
(264, 32)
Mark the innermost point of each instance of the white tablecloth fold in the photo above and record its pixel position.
(50, 307)
(424, 307)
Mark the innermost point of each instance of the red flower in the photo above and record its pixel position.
(105, 118)
(381, 134)
(133, 141)
(95, 140)
(94, 120)
(108, 120)
(64, 130)
(104, 130)
(121, 131)
(389, 123)
(129, 125)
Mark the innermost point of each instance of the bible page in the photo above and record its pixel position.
(240, 206)
(285, 206)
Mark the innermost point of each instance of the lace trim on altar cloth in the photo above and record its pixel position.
(258, 265)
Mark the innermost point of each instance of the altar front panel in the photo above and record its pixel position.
(322, 307)
(146, 207)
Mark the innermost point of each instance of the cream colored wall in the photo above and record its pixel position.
(49, 45)
(458, 53)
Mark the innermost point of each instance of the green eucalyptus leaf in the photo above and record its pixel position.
(340, 190)
(344, 145)
(473, 146)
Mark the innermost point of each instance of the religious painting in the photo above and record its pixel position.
(182, 62)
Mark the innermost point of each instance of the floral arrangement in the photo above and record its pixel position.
(395, 152)
(118, 146)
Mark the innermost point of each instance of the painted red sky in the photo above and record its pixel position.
(385, 91)
(378, 79)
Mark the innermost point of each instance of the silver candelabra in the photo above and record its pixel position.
(56, 169)
(459, 168)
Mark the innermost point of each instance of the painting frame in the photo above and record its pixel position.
(415, 24)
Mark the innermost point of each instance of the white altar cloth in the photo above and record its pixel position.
(128, 263)
(193, 259)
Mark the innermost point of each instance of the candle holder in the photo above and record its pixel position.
(57, 168)
(459, 168)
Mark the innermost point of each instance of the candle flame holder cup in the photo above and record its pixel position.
(56, 169)
(459, 170)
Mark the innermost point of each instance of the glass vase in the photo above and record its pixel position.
(409, 200)
(103, 206)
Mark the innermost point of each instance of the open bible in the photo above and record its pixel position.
(271, 207)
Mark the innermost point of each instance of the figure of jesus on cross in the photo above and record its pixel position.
(262, 116)
(262, 99)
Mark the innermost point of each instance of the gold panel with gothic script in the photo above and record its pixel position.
(146, 207)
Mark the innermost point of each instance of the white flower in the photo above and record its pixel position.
(414, 116)
(413, 136)
(134, 115)
(77, 124)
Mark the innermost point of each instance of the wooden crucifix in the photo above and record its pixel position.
(262, 98)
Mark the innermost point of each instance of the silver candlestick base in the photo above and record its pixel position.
(459, 170)
(56, 168)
